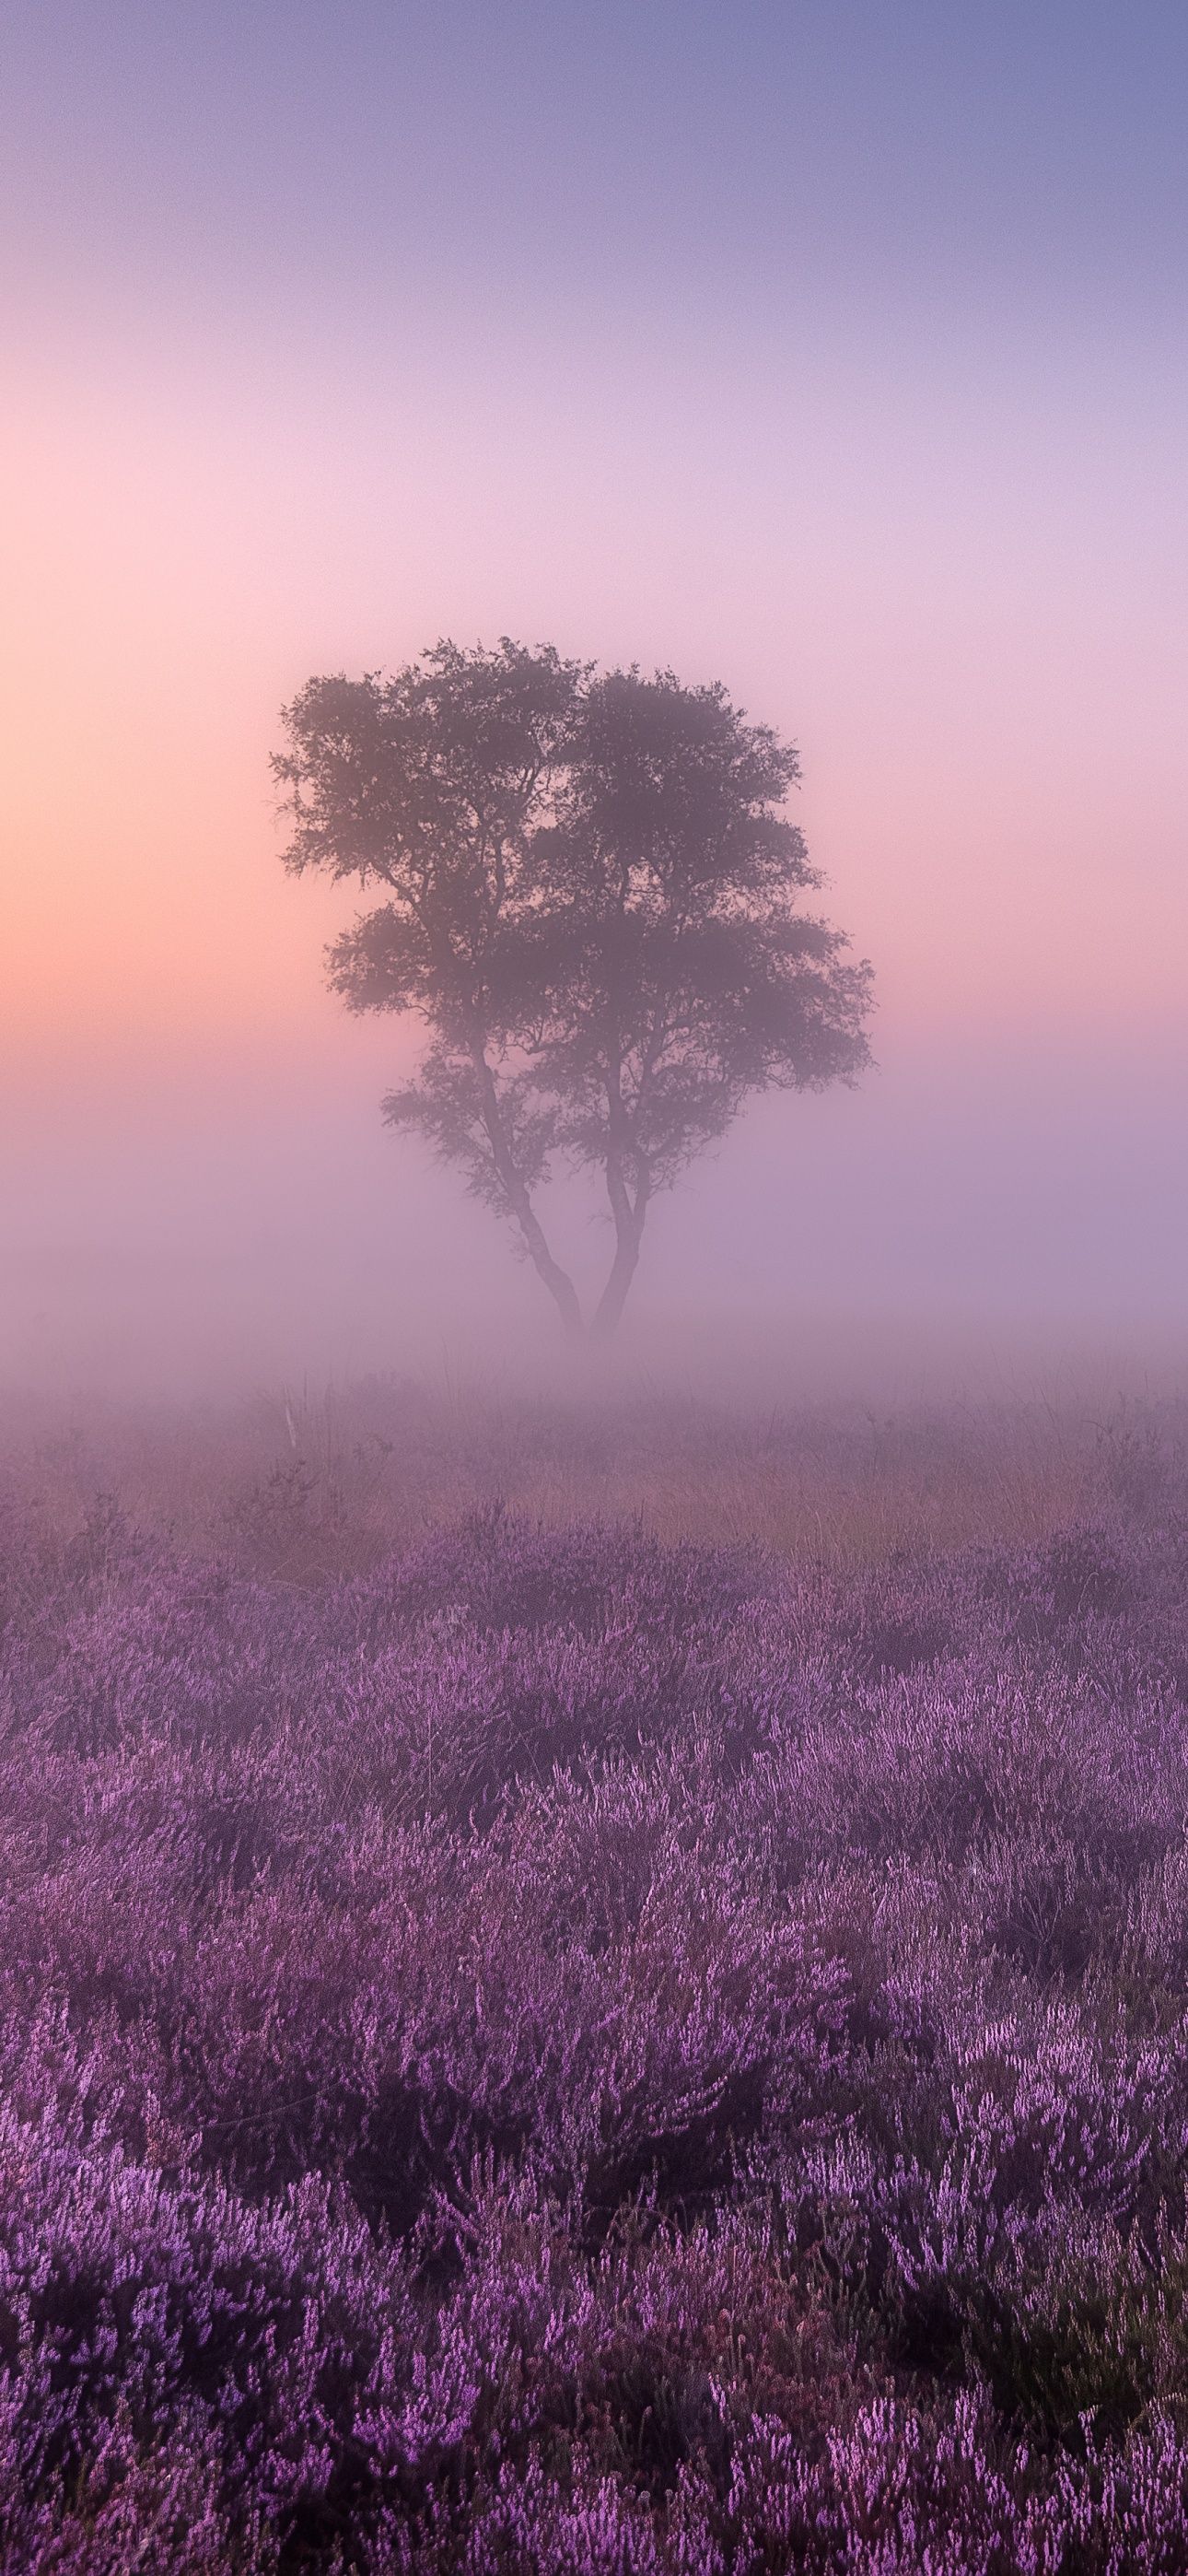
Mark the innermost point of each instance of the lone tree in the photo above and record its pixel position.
(588, 895)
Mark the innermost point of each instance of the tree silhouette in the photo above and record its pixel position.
(590, 894)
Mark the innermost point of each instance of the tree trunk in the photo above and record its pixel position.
(629, 1217)
(605, 1320)
(558, 1282)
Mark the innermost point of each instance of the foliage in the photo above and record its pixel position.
(590, 899)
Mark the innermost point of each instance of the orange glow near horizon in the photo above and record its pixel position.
(846, 370)
(994, 781)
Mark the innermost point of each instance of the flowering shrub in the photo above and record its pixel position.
(562, 2053)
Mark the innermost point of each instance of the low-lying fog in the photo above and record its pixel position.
(994, 1226)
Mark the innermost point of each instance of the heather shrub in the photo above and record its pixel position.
(561, 2052)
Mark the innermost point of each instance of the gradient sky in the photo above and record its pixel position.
(838, 350)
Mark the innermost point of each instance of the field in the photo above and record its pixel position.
(594, 1987)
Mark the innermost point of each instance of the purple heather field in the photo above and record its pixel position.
(593, 1342)
(535, 2041)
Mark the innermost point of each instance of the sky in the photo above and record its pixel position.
(835, 350)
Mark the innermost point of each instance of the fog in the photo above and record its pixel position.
(595, 1907)
(1004, 1227)
(848, 372)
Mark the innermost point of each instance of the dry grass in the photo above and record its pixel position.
(297, 1486)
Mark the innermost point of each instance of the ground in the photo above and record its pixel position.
(594, 1986)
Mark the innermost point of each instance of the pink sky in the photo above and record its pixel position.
(941, 543)
(969, 614)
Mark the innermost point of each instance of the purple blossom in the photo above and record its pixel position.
(566, 2054)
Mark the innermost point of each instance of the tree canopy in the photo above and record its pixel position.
(589, 893)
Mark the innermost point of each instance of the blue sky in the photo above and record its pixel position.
(1031, 155)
